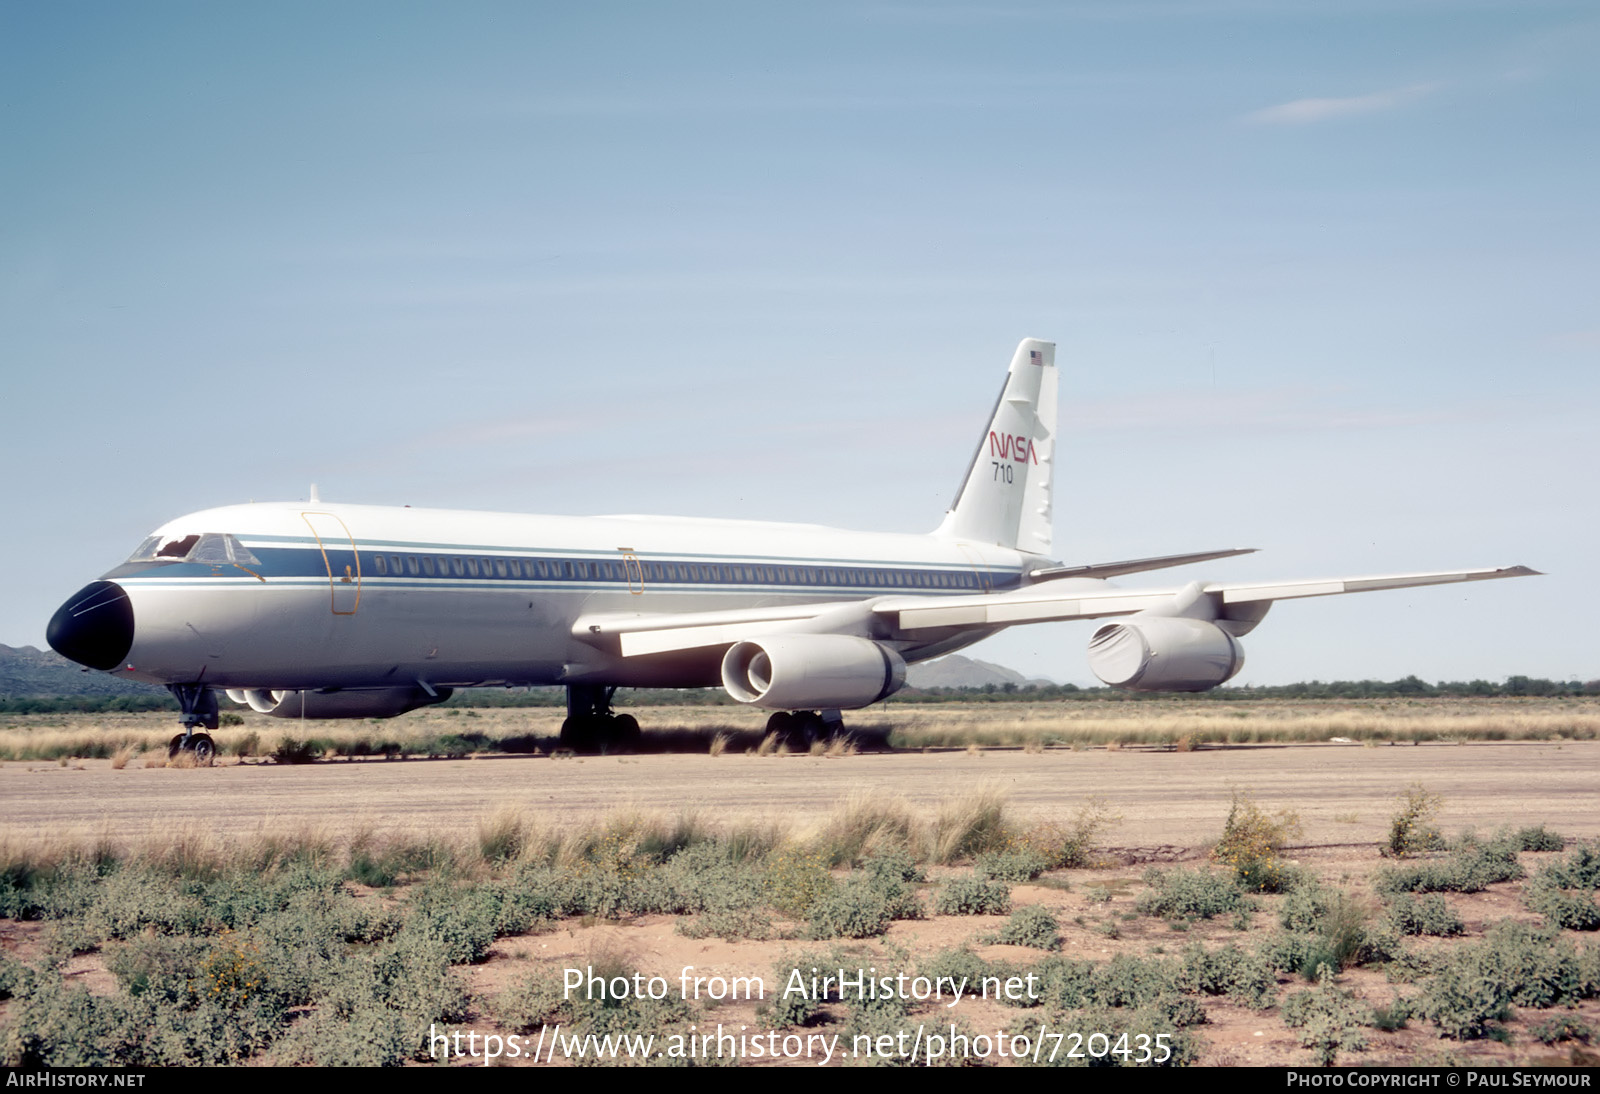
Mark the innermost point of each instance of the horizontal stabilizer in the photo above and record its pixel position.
(1136, 565)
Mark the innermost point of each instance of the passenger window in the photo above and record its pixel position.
(411, 564)
(472, 567)
(379, 565)
(456, 566)
(500, 567)
(427, 565)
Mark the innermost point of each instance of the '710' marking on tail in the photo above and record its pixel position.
(1009, 447)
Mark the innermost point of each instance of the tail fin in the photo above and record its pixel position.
(1005, 499)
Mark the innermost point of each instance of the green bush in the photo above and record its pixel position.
(1513, 964)
(1019, 864)
(969, 895)
(1560, 891)
(892, 865)
(1539, 838)
(1031, 925)
(1572, 910)
(729, 924)
(535, 1000)
(1329, 1019)
(1429, 915)
(1562, 1027)
(1231, 971)
(1303, 909)
(291, 750)
(1471, 869)
(856, 909)
(796, 880)
(1181, 894)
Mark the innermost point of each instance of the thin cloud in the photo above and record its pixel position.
(1311, 111)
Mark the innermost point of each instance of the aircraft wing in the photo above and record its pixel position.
(640, 633)
(1051, 602)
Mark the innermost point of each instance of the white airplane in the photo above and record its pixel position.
(326, 611)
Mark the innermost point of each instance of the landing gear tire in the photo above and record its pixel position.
(578, 734)
(601, 733)
(200, 745)
(625, 732)
(797, 729)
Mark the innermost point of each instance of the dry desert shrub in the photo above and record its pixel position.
(503, 835)
(1411, 829)
(970, 825)
(864, 824)
(1251, 840)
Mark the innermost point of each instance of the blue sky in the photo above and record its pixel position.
(1324, 277)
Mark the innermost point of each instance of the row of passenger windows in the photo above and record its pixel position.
(637, 571)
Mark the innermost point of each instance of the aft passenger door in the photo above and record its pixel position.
(339, 555)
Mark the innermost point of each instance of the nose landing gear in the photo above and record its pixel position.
(198, 706)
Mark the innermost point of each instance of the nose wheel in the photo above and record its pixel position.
(198, 704)
(200, 745)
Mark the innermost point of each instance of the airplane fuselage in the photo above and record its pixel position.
(353, 596)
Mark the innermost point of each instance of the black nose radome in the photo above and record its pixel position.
(94, 627)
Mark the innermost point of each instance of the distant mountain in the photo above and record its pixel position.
(27, 672)
(956, 671)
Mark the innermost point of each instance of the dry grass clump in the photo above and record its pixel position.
(503, 835)
(843, 744)
(969, 826)
(864, 824)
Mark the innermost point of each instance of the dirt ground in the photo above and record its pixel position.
(1172, 804)
(1343, 792)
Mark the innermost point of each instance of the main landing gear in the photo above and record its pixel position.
(800, 729)
(592, 726)
(198, 704)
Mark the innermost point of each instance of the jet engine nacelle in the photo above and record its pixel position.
(1164, 654)
(812, 672)
(381, 703)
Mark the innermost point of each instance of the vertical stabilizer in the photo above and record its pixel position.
(1005, 499)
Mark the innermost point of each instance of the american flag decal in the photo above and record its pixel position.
(1036, 357)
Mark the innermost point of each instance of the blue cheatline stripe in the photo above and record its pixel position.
(456, 569)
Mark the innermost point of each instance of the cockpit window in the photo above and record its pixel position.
(213, 548)
(177, 548)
